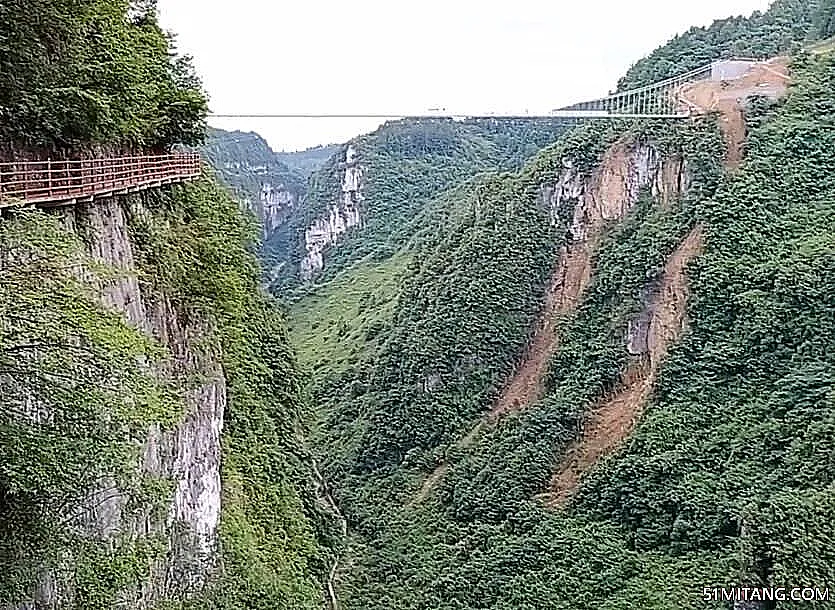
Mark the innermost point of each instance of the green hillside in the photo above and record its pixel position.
(725, 480)
(552, 366)
(309, 160)
(110, 370)
(406, 164)
(245, 162)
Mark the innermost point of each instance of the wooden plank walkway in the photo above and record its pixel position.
(56, 183)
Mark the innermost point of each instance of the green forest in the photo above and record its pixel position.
(357, 432)
(92, 72)
(723, 479)
(411, 162)
(85, 391)
(244, 161)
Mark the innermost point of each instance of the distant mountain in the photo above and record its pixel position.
(268, 183)
(365, 199)
(308, 161)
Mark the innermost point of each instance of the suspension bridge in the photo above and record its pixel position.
(662, 100)
(64, 182)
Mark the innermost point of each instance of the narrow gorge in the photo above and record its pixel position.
(579, 360)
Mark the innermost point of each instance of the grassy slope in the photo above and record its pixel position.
(482, 542)
(334, 324)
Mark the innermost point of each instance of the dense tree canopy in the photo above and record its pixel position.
(85, 72)
(781, 29)
(406, 164)
(728, 477)
(825, 19)
(245, 162)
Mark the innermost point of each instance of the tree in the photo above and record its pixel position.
(825, 20)
(80, 72)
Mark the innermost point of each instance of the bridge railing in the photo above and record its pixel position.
(54, 181)
(657, 100)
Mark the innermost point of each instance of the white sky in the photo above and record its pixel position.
(377, 56)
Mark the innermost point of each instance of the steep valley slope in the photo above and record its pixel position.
(269, 184)
(537, 365)
(660, 370)
(363, 202)
(152, 446)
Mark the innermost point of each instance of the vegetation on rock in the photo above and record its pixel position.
(725, 480)
(78, 392)
(245, 163)
(408, 335)
(80, 387)
(405, 164)
(195, 246)
(77, 73)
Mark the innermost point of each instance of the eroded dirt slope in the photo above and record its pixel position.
(604, 197)
(614, 418)
(727, 97)
(526, 385)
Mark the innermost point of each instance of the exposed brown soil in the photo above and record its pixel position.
(567, 285)
(614, 418)
(526, 385)
(768, 79)
(608, 198)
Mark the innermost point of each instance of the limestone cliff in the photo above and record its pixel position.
(263, 184)
(340, 216)
(275, 203)
(615, 186)
(588, 202)
(187, 456)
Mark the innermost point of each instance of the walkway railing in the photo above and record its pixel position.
(64, 182)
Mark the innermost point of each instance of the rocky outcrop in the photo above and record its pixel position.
(339, 217)
(615, 186)
(638, 332)
(275, 204)
(261, 181)
(187, 455)
(590, 202)
(612, 420)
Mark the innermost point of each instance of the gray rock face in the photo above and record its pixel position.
(588, 203)
(340, 216)
(274, 206)
(616, 186)
(188, 455)
(637, 340)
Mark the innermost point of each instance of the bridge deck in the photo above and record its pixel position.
(55, 183)
(660, 100)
